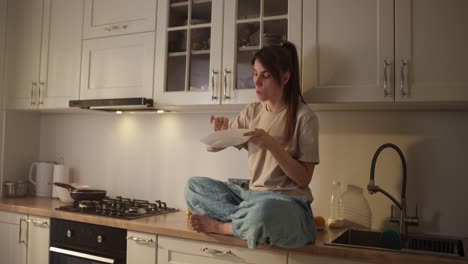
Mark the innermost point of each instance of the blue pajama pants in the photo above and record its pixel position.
(258, 217)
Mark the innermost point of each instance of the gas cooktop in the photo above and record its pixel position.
(119, 207)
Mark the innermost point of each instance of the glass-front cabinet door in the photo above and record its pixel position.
(204, 47)
(248, 26)
(188, 52)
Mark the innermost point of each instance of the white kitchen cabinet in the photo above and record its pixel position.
(24, 239)
(349, 53)
(44, 53)
(38, 230)
(297, 258)
(118, 49)
(60, 72)
(24, 41)
(141, 248)
(117, 17)
(203, 48)
(345, 46)
(12, 238)
(118, 66)
(177, 250)
(431, 39)
(253, 25)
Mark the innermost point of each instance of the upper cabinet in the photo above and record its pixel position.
(115, 63)
(346, 44)
(117, 67)
(24, 40)
(431, 50)
(188, 52)
(381, 51)
(117, 17)
(60, 72)
(44, 53)
(197, 52)
(254, 25)
(204, 47)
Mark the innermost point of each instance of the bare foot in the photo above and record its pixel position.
(205, 224)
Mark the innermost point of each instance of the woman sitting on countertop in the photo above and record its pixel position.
(282, 154)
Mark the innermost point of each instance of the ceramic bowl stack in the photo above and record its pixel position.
(356, 211)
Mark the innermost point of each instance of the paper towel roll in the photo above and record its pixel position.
(61, 174)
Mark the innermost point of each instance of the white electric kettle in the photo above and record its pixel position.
(40, 174)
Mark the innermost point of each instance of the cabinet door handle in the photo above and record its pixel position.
(213, 97)
(385, 76)
(402, 78)
(41, 95)
(141, 240)
(37, 222)
(215, 251)
(33, 85)
(116, 27)
(20, 241)
(225, 73)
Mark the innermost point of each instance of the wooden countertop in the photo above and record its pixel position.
(176, 225)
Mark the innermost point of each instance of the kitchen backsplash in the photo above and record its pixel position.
(152, 156)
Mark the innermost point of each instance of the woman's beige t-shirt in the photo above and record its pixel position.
(265, 172)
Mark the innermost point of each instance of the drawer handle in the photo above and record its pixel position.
(215, 251)
(116, 27)
(37, 222)
(141, 240)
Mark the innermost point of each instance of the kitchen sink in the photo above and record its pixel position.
(415, 243)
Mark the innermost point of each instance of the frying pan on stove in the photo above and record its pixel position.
(79, 194)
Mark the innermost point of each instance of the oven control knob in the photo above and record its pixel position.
(69, 233)
(99, 239)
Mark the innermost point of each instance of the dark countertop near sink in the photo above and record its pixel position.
(176, 225)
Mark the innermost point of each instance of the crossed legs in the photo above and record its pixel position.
(212, 202)
(258, 217)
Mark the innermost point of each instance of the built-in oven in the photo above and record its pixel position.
(82, 243)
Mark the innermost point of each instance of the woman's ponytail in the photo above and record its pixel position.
(292, 92)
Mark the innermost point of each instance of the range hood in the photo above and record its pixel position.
(135, 104)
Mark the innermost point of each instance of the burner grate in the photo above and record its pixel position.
(119, 207)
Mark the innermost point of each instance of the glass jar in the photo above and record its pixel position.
(8, 189)
(14, 189)
(21, 188)
(336, 219)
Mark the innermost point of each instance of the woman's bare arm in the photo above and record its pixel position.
(298, 171)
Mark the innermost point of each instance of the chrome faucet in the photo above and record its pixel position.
(403, 220)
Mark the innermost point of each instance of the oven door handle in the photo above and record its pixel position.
(81, 255)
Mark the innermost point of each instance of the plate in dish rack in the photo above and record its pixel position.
(226, 138)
